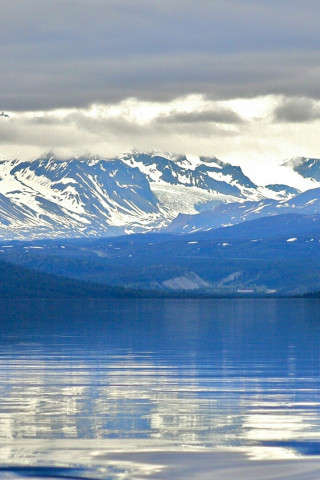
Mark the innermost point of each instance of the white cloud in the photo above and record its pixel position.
(241, 131)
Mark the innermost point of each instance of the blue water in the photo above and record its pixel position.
(199, 373)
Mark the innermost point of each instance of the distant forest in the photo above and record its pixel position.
(21, 282)
(16, 281)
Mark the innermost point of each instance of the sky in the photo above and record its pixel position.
(236, 79)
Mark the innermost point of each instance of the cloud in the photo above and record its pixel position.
(241, 131)
(297, 110)
(238, 79)
(220, 115)
(72, 53)
(128, 123)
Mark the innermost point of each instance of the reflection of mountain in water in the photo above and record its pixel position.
(207, 373)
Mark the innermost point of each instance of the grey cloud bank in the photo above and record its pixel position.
(218, 115)
(297, 110)
(165, 75)
(64, 53)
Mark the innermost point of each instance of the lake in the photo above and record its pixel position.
(160, 389)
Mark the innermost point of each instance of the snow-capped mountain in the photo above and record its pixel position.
(286, 200)
(78, 197)
(306, 167)
(209, 174)
(227, 214)
(93, 196)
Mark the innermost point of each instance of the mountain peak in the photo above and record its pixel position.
(90, 195)
(294, 162)
(305, 166)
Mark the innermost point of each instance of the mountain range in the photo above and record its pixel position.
(226, 214)
(162, 223)
(92, 196)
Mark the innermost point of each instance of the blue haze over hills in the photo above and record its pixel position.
(270, 255)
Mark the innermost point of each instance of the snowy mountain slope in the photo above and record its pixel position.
(92, 196)
(51, 197)
(306, 167)
(306, 203)
(278, 198)
(281, 191)
(208, 174)
(189, 185)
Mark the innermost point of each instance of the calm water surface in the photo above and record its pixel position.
(82, 378)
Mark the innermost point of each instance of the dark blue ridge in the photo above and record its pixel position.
(304, 448)
(47, 472)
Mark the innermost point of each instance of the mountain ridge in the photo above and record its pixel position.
(231, 213)
(51, 197)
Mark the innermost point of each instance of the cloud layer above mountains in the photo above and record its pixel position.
(71, 53)
(186, 66)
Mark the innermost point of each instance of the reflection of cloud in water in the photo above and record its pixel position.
(217, 375)
(134, 460)
(128, 399)
(101, 396)
(276, 427)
